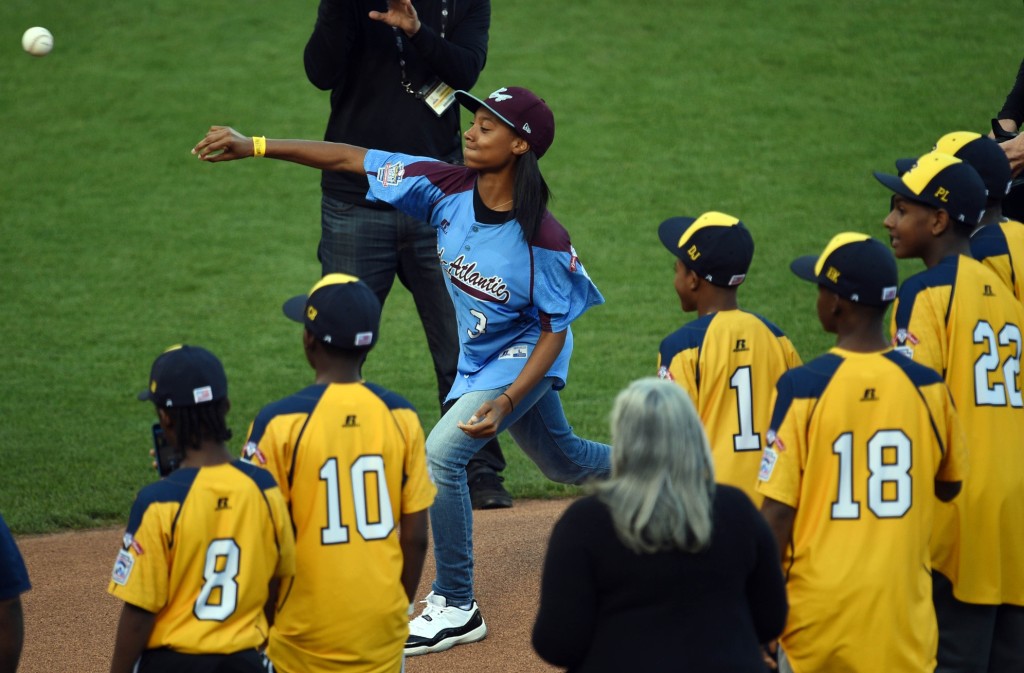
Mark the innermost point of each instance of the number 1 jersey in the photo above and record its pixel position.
(728, 362)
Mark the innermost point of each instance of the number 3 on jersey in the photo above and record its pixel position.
(366, 478)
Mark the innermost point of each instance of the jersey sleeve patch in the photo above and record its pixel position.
(768, 460)
(122, 568)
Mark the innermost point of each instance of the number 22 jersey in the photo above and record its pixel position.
(961, 320)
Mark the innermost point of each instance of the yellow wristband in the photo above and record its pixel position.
(259, 146)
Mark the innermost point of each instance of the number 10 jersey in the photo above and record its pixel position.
(350, 459)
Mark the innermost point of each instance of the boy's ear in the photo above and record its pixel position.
(693, 279)
(165, 419)
(941, 223)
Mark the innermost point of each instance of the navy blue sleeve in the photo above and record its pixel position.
(989, 241)
(567, 617)
(13, 574)
(326, 56)
(766, 585)
(1013, 107)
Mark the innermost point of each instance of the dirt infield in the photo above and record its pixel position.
(70, 619)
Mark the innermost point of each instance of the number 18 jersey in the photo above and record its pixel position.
(858, 440)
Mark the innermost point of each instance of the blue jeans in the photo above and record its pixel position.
(539, 426)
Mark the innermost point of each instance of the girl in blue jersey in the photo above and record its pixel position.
(516, 284)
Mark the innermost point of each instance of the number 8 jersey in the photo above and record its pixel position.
(857, 442)
(201, 547)
(959, 318)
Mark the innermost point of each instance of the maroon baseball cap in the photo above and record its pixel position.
(520, 108)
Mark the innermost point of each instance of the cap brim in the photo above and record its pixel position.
(472, 103)
(896, 185)
(145, 396)
(803, 267)
(671, 230)
(904, 165)
(295, 308)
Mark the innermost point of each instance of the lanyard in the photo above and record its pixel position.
(406, 84)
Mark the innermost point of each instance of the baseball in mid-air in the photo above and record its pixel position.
(37, 41)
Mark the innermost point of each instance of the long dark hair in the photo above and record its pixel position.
(530, 194)
(204, 421)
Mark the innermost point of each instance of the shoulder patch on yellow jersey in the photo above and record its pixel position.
(768, 459)
(122, 567)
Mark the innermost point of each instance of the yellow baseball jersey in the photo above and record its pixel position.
(351, 460)
(1000, 247)
(729, 362)
(201, 547)
(858, 440)
(960, 319)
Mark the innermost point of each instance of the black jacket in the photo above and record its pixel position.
(357, 59)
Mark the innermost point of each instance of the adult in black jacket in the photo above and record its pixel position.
(392, 76)
(661, 569)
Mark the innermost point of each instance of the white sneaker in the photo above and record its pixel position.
(441, 626)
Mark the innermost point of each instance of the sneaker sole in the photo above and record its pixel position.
(477, 634)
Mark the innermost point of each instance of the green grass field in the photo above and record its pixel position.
(115, 242)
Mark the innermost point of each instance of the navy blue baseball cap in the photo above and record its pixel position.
(339, 310)
(520, 108)
(854, 266)
(185, 376)
(982, 154)
(941, 181)
(715, 246)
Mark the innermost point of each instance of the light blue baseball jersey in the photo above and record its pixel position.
(505, 291)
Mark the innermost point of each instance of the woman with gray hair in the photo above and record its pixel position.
(660, 569)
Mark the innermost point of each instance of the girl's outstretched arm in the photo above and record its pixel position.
(223, 143)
